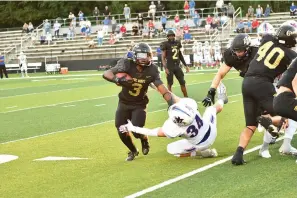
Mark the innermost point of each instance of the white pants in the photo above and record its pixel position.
(207, 59)
(198, 59)
(217, 57)
(185, 146)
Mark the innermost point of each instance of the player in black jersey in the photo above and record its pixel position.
(238, 56)
(273, 58)
(171, 58)
(133, 96)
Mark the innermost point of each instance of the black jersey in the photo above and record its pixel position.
(288, 76)
(172, 50)
(241, 64)
(136, 94)
(271, 60)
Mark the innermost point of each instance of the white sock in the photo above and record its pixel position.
(220, 102)
(267, 137)
(289, 132)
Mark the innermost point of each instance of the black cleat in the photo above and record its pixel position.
(132, 155)
(145, 146)
(237, 159)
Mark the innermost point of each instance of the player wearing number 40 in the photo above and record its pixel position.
(135, 76)
(185, 121)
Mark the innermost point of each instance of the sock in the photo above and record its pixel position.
(267, 138)
(127, 140)
(220, 102)
(289, 132)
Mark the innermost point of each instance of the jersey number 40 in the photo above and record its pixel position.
(275, 52)
(193, 130)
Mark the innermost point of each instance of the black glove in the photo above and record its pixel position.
(241, 74)
(209, 98)
(122, 81)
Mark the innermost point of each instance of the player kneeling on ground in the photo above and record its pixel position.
(198, 132)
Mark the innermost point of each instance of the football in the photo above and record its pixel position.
(127, 76)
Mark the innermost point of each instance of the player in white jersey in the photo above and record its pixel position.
(198, 54)
(198, 132)
(207, 53)
(217, 53)
(263, 29)
(23, 64)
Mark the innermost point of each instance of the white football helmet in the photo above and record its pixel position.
(265, 28)
(206, 44)
(195, 43)
(199, 44)
(290, 22)
(216, 44)
(183, 112)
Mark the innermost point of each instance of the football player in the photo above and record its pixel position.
(133, 96)
(238, 56)
(217, 53)
(207, 54)
(198, 54)
(23, 64)
(263, 29)
(273, 58)
(171, 58)
(185, 121)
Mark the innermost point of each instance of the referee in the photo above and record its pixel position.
(2, 67)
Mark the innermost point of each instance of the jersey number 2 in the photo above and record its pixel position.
(175, 51)
(262, 52)
(192, 130)
(136, 87)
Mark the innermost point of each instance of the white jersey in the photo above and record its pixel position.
(23, 59)
(217, 53)
(206, 50)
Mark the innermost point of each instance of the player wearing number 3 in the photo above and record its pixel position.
(133, 96)
(198, 132)
(273, 58)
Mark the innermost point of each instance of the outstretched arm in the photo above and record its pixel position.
(224, 69)
(144, 131)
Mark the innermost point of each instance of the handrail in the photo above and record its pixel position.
(236, 13)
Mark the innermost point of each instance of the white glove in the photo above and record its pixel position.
(127, 127)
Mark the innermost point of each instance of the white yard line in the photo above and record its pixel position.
(41, 106)
(189, 174)
(69, 106)
(233, 101)
(99, 105)
(11, 107)
(80, 127)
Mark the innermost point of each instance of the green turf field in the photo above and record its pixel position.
(72, 116)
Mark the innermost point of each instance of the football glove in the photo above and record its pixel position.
(122, 81)
(209, 98)
(127, 127)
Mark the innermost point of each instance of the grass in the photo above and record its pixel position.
(75, 116)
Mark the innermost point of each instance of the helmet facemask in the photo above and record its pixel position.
(143, 59)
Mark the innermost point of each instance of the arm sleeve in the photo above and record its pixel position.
(171, 130)
(122, 66)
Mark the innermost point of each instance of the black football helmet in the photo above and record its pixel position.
(241, 43)
(142, 54)
(286, 35)
(170, 33)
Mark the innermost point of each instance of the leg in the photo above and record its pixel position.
(138, 119)
(169, 78)
(122, 114)
(1, 74)
(179, 74)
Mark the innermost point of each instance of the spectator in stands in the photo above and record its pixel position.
(259, 11)
(113, 24)
(48, 38)
(215, 23)
(105, 25)
(73, 21)
(127, 13)
(163, 20)
(140, 21)
(192, 8)
(209, 20)
(96, 14)
(112, 39)
(150, 24)
(255, 25)
(145, 32)
(118, 29)
(71, 32)
(118, 37)
(134, 29)
(207, 28)
(2, 67)
(100, 35)
(152, 11)
(57, 26)
(130, 53)
(240, 27)
(91, 44)
(230, 11)
(46, 27)
(176, 20)
(186, 8)
(293, 10)
(82, 25)
(152, 31)
(178, 33)
(268, 10)
(160, 8)
(123, 30)
(25, 28)
(250, 12)
(88, 32)
(196, 19)
(187, 37)
(71, 16)
(248, 27)
(220, 6)
(106, 12)
(224, 19)
(186, 26)
(30, 27)
(80, 16)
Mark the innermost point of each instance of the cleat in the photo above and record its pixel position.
(287, 150)
(132, 155)
(237, 159)
(209, 153)
(214, 152)
(145, 146)
(222, 93)
(264, 153)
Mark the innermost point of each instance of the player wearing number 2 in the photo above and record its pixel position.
(273, 58)
(198, 132)
(133, 96)
(171, 58)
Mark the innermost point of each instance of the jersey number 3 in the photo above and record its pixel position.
(136, 87)
(192, 131)
(276, 51)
